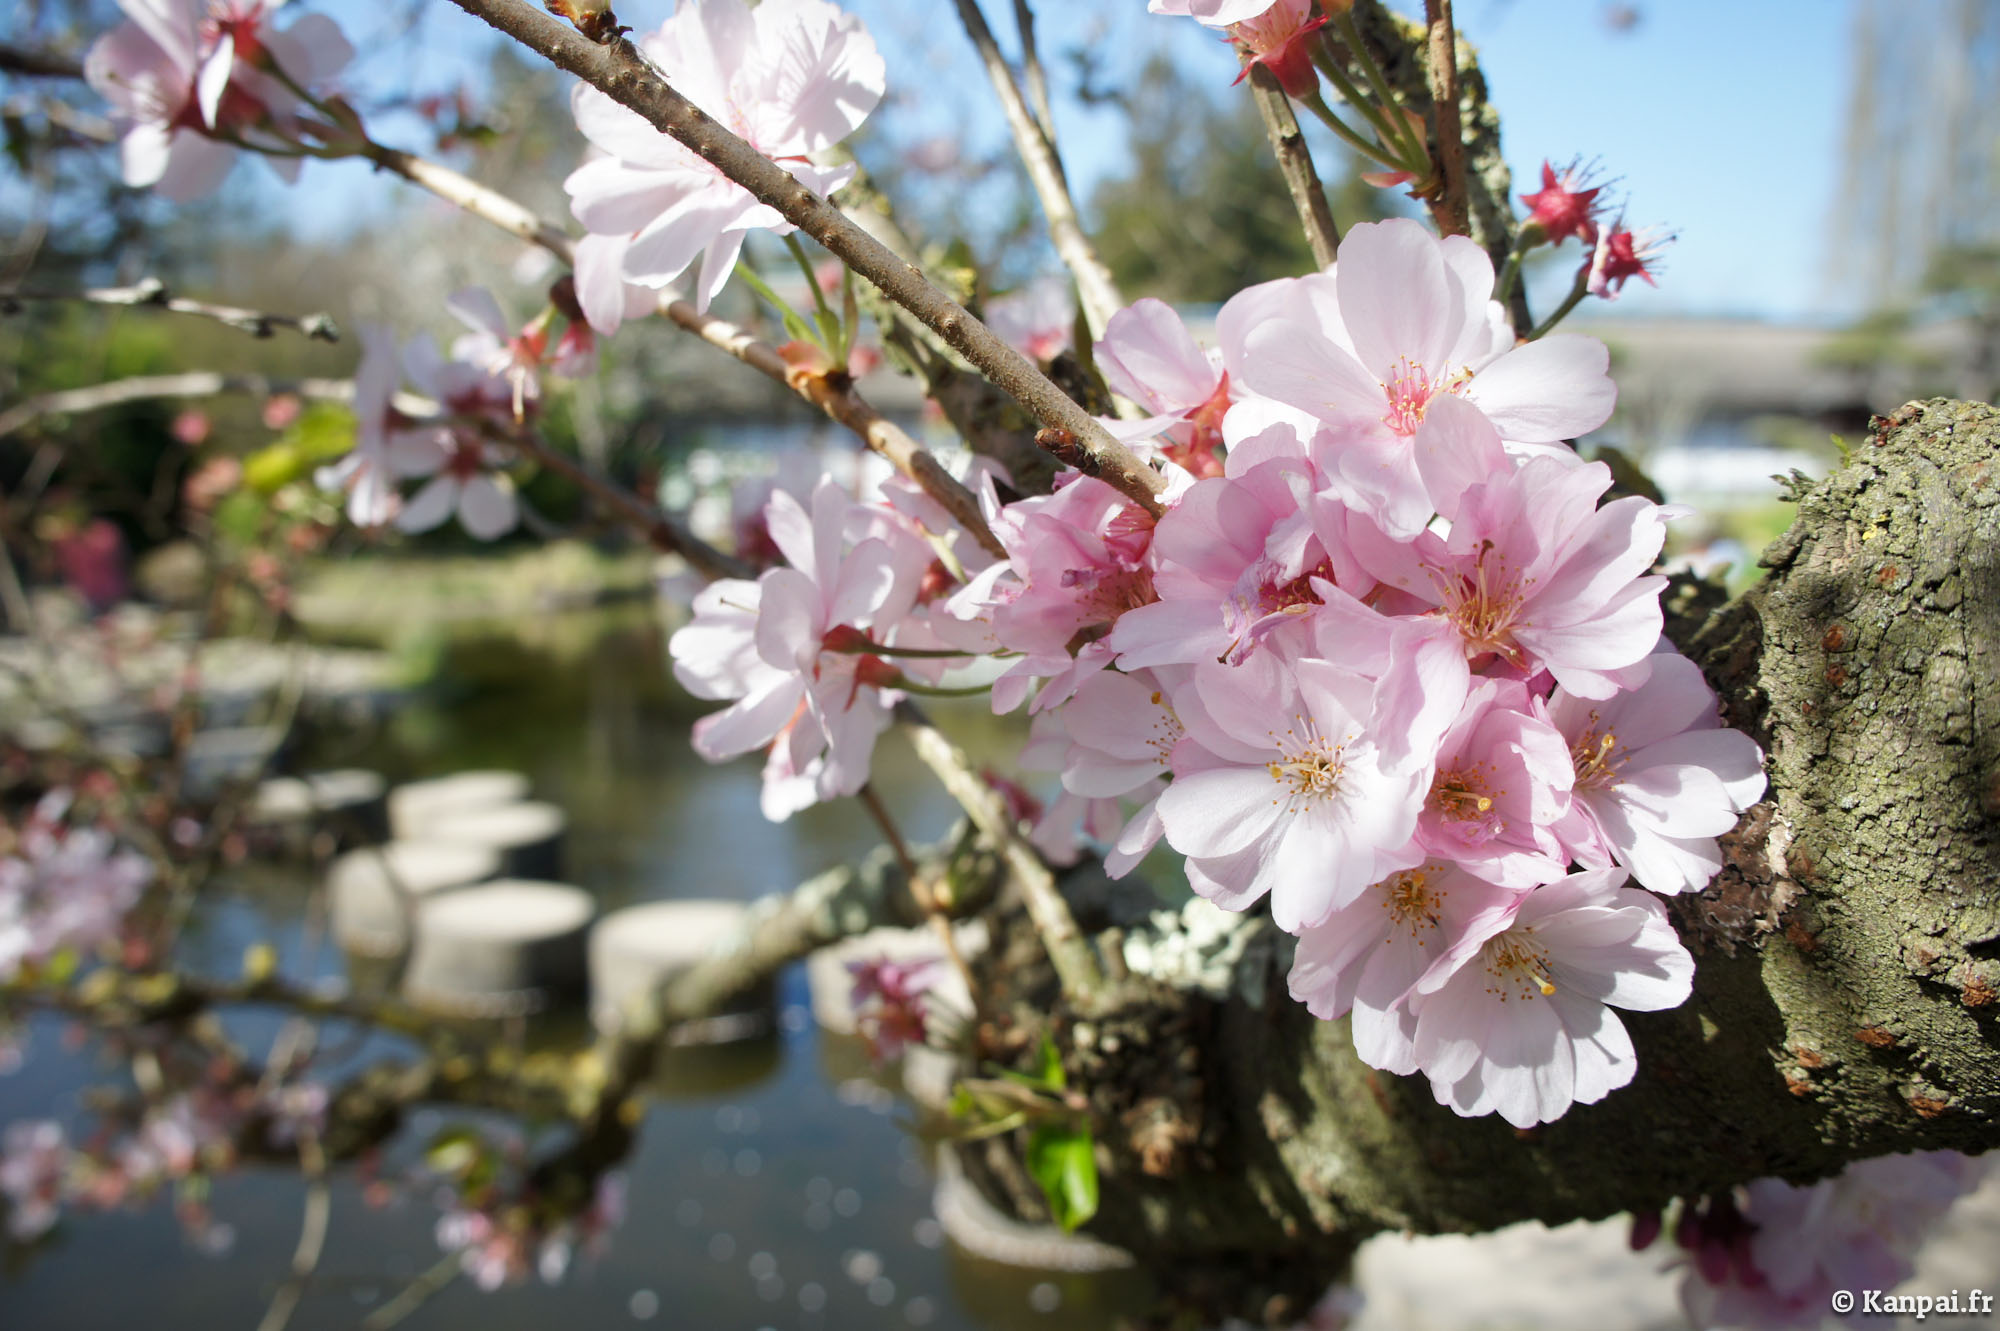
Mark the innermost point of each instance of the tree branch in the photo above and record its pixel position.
(198, 383)
(618, 70)
(1450, 207)
(1035, 143)
(660, 530)
(33, 63)
(153, 292)
(1281, 126)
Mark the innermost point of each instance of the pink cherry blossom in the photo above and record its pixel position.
(1403, 347)
(188, 77)
(1564, 207)
(34, 1159)
(889, 1002)
(1148, 356)
(1785, 1249)
(64, 886)
(1234, 567)
(1621, 255)
(1038, 320)
(1368, 955)
(383, 449)
(1280, 39)
(461, 461)
(1534, 576)
(1502, 785)
(1122, 732)
(1658, 778)
(1077, 561)
(1515, 1017)
(791, 77)
(1212, 13)
(764, 645)
(1282, 786)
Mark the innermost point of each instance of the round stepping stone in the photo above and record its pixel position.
(528, 835)
(219, 757)
(635, 950)
(362, 897)
(414, 804)
(498, 949)
(348, 802)
(983, 1230)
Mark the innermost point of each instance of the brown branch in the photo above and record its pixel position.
(842, 405)
(660, 530)
(618, 70)
(1281, 126)
(1076, 964)
(1037, 148)
(1449, 208)
(312, 1235)
(1031, 70)
(199, 383)
(34, 63)
(151, 292)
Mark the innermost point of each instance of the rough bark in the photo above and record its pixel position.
(1848, 968)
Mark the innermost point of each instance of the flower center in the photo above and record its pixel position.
(1258, 597)
(1596, 758)
(1483, 602)
(1309, 774)
(1412, 391)
(1519, 966)
(1167, 731)
(1412, 902)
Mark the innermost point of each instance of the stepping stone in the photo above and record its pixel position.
(414, 804)
(229, 755)
(498, 949)
(702, 1072)
(635, 950)
(362, 897)
(349, 803)
(528, 835)
(983, 1230)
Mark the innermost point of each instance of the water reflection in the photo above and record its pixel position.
(777, 1183)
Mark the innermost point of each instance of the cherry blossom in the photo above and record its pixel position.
(1367, 956)
(1515, 1017)
(889, 1002)
(1658, 778)
(1622, 255)
(1775, 1259)
(1403, 347)
(192, 79)
(1535, 576)
(1282, 787)
(64, 887)
(1148, 356)
(764, 645)
(1502, 785)
(1122, 732)
(368, 473)
(791, 77)
(34, 1160)
(1563, 207)
(1038, 320)
(1280, 39)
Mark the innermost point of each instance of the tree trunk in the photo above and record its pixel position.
(1848, 958)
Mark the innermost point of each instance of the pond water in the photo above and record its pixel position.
(775, 1184)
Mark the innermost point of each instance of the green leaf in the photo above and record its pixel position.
(797, 328)
(1052, 1068)
(1064, 1166)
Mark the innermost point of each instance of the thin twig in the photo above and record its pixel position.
(140, 388)
(1037, 149)
(1076, 965)
(312, 1234)
(920, 887)
(1449, 208)
(415, 1294)
(34, 63)
(153, 292)
(618, 70)
(659, 529)
(1031, 69)
(1295, 161)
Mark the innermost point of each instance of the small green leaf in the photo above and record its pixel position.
(1064, 1166)
(1052, 1068)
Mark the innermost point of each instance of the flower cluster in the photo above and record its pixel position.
(790, 77)
(498, 1243)
(192, 81)
(488, 385)
(63, 887)
(1388, 662)
(1773, 1254)
(890, 1006)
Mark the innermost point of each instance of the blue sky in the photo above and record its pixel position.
(1720, 121)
